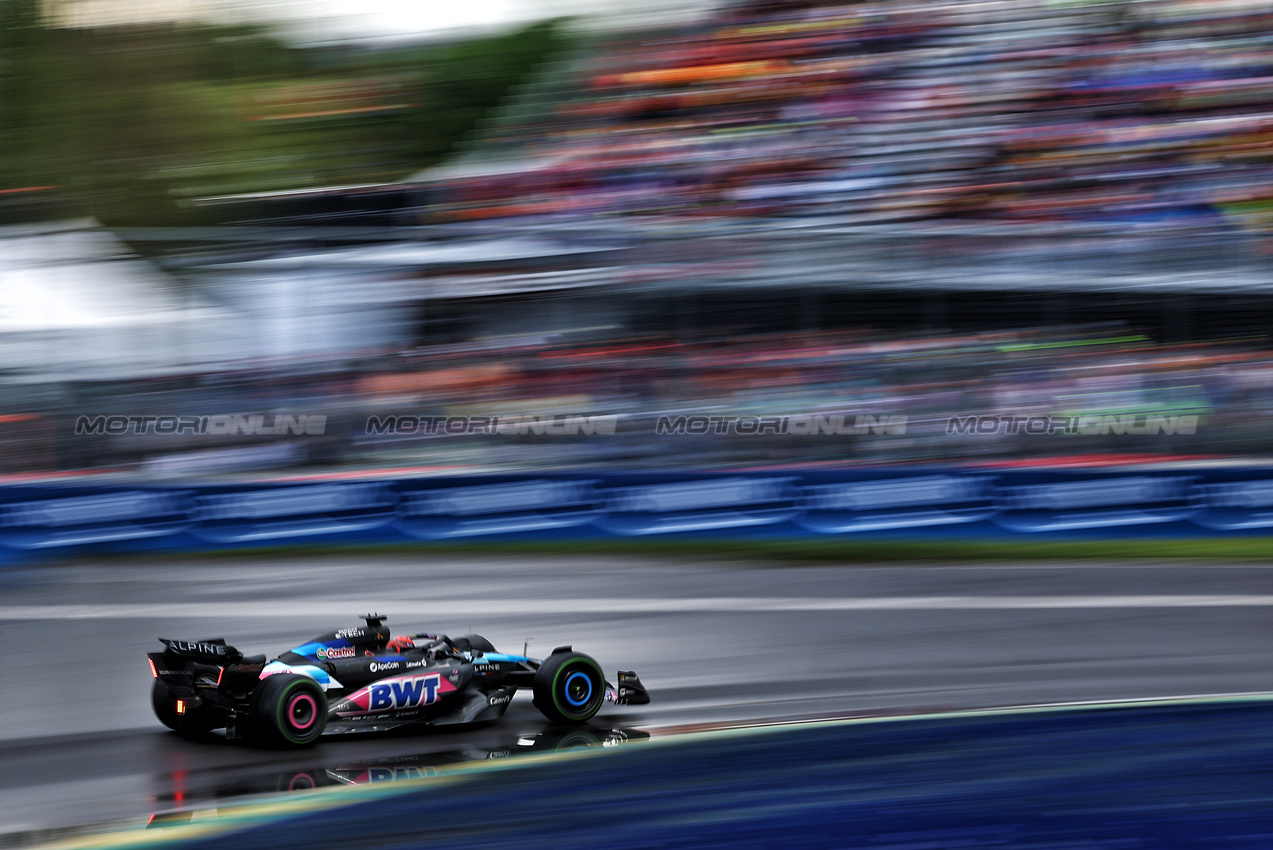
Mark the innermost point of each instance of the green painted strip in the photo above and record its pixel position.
(1074, 343)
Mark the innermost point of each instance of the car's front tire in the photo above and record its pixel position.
(288, 711)
(569, 688)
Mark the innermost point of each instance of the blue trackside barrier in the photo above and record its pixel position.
(64, 519)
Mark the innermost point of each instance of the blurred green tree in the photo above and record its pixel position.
(133, 121)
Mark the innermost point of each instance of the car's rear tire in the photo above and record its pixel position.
(198, 722)
(288, 711)
(569, 688)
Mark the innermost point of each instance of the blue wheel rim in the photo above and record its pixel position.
(572, 685)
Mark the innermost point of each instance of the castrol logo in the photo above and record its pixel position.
(330, 653)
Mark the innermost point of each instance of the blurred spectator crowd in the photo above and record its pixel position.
(1026, 111)
(1000, 147)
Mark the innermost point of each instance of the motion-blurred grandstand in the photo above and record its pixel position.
(936, 209)
(1012, 111)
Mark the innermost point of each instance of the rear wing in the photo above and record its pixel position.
(205, 664)
(213, 651)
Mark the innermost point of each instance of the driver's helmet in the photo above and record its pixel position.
(401, 643)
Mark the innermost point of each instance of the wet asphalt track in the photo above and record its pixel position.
(714, 642)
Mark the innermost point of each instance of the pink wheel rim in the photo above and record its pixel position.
(302, 711)
(301, 782)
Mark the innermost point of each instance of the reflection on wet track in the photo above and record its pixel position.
(335, 768)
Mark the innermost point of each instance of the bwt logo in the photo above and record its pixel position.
(403, 693)
(252, 425)
(395, 774)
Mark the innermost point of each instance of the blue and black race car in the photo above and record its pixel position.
(362, 680)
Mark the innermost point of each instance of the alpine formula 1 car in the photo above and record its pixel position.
(360, 680)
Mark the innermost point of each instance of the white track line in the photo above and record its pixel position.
(402, 609)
